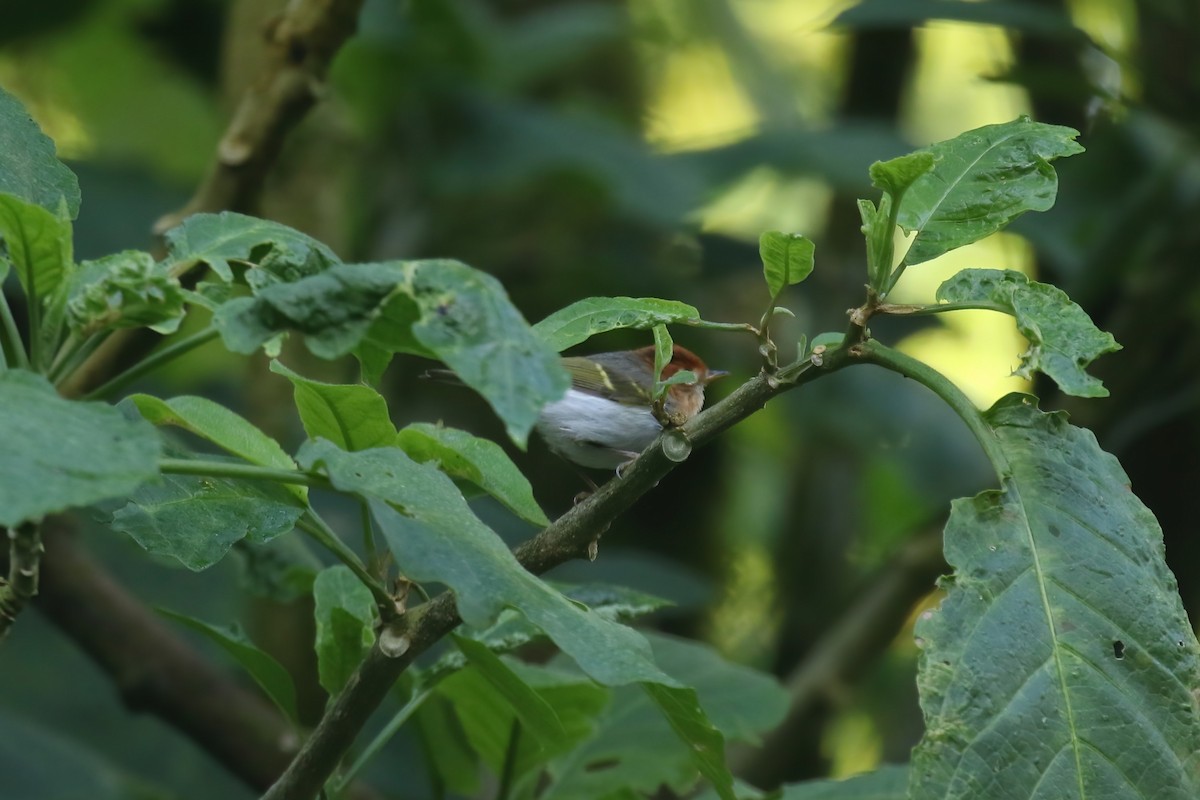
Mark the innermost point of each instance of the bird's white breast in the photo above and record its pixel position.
(596, 432)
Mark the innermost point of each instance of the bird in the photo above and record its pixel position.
(606, 418)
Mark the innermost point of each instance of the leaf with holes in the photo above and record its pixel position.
(277, 253)
(1062, 338)
(1061, 663)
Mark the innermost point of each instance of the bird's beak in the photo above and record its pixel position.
(713, 374)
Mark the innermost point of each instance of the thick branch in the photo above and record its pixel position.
(155, 670)
(567, 538)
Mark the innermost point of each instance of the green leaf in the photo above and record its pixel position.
(634, 743)
(664, 349)
(465, 319)
(59, 454)
(123, 290)
(895, 176)
(1062, 338)
(39, 246)
(1061, 663)
(585, 318)
(197, 519)
(29, 168)
(282, 253)
(536, 715)
(488, 717)
(391, 332)
(446, 747)
(345, 614)
(352, 416)
(334, 309)
(220, 426)
(981, 180)
(469, 323)
(262, 667)
(787, 259)
(879, 229)
(479, 461)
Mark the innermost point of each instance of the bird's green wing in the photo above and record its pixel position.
(591, 377)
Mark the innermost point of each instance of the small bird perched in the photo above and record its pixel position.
(605, 420)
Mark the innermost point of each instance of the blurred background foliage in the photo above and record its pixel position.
(590, 147)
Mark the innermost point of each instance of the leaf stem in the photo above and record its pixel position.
(873, 352)
(152, 362)
(10, 338)
(312, 524)
(72, 355)
(383, 737)
(938, 308)
(368, 534)
(225, 469)
(744, 327)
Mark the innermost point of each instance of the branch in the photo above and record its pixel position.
(567, 538)
(850, 644)
(154, 669)
(301, 44)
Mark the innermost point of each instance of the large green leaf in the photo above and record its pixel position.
(464, 318)
(197, 519)
(29, 168)
(585, 318)
(470, 458)
(1061, 663)
(280, 253)
(123, 290)
(633, 741)
(449, 754)
(268, 673)
(438, 539)
(787, 259)
(39, 245)
(58, 454)
(352, 416)
(1062, 338)
(981, 180)
(345, 614)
